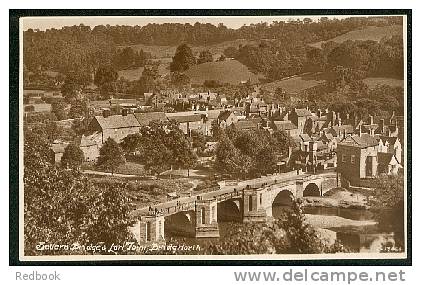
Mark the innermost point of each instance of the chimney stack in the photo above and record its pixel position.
(371, 119)
(382, 126)
(359, 130)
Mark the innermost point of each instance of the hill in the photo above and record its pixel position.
(367, 33)
(296, 84)
(372, 82)
(229, 71)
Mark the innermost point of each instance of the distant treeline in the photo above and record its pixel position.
(85, 48)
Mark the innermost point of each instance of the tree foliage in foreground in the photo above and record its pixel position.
(62, 207)
(288, 235)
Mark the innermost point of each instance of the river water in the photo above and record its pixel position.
(366, 238)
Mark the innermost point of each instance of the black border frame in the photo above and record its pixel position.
(15, 15)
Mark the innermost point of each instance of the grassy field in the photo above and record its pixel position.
(368, 33)
(147, 192)
(169, 51)
(295, 84)
(372, 82)
(229, 71)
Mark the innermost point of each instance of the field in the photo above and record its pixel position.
(229, 71)
(169, 51)
(372, 82)
(369, 33)
(295, 84)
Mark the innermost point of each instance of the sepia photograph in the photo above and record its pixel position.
(238, 137)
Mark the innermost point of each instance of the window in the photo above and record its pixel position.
(203, 215)
(343, 158)
(148, 231)
(353, 159)
(250, 203)
(213, 213)
(261, 198)
(160, 229)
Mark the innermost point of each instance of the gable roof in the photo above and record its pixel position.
(363, 141)
(390, 140)
(224, 115)
(187, 118)
(303, 113)
(284, 125)
(245, 125)
(117, 121)
(145, 118)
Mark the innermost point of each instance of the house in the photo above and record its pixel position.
(145, 118)
(226, 118)
(116, 127)
(329, 140)
(299, 118)
(245, 125)
(357, 157)
(286, 126)
(391, 145)
(189, 122)
(90, 145)
(58, 148)
(388, 164)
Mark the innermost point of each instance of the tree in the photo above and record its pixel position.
(179, 79)
(110, 155)
(205, 56)
(79, 109)
(288, 235)
(63, 207)
(390, 207)
(283, 141)
(105, 78)
(182, 59)
(74, 83)
(72, 157)
(58, 108)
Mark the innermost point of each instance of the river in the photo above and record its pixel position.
(366, 238)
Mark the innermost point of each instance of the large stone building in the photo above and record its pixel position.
(116, 127)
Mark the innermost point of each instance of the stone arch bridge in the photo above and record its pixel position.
(198, 216)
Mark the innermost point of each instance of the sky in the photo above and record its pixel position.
(44, 23)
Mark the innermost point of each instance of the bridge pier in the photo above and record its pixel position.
(149, 229)
(257, 206)
(207, 219)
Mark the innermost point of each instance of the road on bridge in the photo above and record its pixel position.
(177, 204)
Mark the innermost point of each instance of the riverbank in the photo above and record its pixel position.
(338, 198)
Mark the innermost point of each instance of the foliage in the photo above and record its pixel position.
(79, 109)
(58, 107)
(72, 156)
(389, 203)
(63, 208)
(182, 59)
(205, 56)
(288, 235)
(110, 155)
(105, 78)
(161, 145)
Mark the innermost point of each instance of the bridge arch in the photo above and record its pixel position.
(230, 210)
(181, 223)
(311, 190)
(283, 198)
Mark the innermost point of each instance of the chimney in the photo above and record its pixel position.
(382, 126)
(124, 112)
(333, 118)
(339, 122)
(371, 119)
(359, 130)
(105, 113)
(319, 113)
